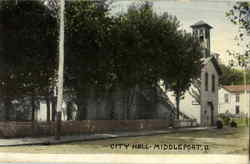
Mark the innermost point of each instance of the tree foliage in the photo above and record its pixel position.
(102, 51)
(240, 16)
(232, 76)
(136, 48)
(187, 63)
(28, 50)
(86, 57)
(143, 44)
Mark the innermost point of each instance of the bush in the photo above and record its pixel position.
(225, 118)
(233, 124)
(219, 124)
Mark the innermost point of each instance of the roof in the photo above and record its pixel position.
(215, 63)
(201, 24)
(236, 88)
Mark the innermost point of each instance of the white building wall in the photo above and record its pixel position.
(188, 105)
(244, 102)
(226, 106)
(230, 106)
(41, 113)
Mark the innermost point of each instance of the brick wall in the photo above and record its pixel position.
(12, 129)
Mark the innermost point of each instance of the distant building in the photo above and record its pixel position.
(232, 99)
(203, 103)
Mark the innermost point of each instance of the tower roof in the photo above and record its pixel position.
(201, 24)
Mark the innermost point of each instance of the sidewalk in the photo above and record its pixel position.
(87, 137)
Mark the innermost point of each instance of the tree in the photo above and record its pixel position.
(86, 57)
(151, 48)
(230, 76)
(142, 42)
(195, 90)
(133, 50)
(187, 63)
(29, 56)
(240, 16)
(233, 76)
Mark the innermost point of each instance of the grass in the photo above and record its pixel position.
(224, 141)
(241, 121)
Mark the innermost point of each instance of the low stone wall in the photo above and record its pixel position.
(185, 123)
(12, 129)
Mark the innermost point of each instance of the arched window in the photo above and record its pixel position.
(213, 83)
(206, 81)
(207, 34)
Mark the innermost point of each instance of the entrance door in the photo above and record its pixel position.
(211, 112)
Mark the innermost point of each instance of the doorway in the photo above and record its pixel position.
(211, 107)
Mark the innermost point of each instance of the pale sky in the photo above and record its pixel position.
(192, 11)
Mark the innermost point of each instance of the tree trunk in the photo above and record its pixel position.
(81, 112)
(48, 108)
(129, 96)
(53, 109)
(7, 108)
(81, 105)
(33, 107)
(58, 125)
(124, 105)
(69, 110)
(128, 104)
(177, 99)
(82, 101)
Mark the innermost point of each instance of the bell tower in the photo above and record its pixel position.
(201, 30)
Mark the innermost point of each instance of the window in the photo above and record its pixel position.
(207, 33)
(237, 109)
(226, 98)
(206, 81)
(237, 98)
(213, 83)
(195, 33)
(201, 34)
(201, 38)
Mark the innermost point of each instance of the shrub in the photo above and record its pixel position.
(225, 118)
(233, 124)
(219, 124)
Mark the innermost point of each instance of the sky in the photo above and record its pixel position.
(192, 11)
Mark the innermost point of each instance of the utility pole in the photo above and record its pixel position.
(245, 91)
(60, 71)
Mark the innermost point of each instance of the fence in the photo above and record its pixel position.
(12, 129)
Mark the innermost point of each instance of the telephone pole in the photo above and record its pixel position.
(60, 71)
